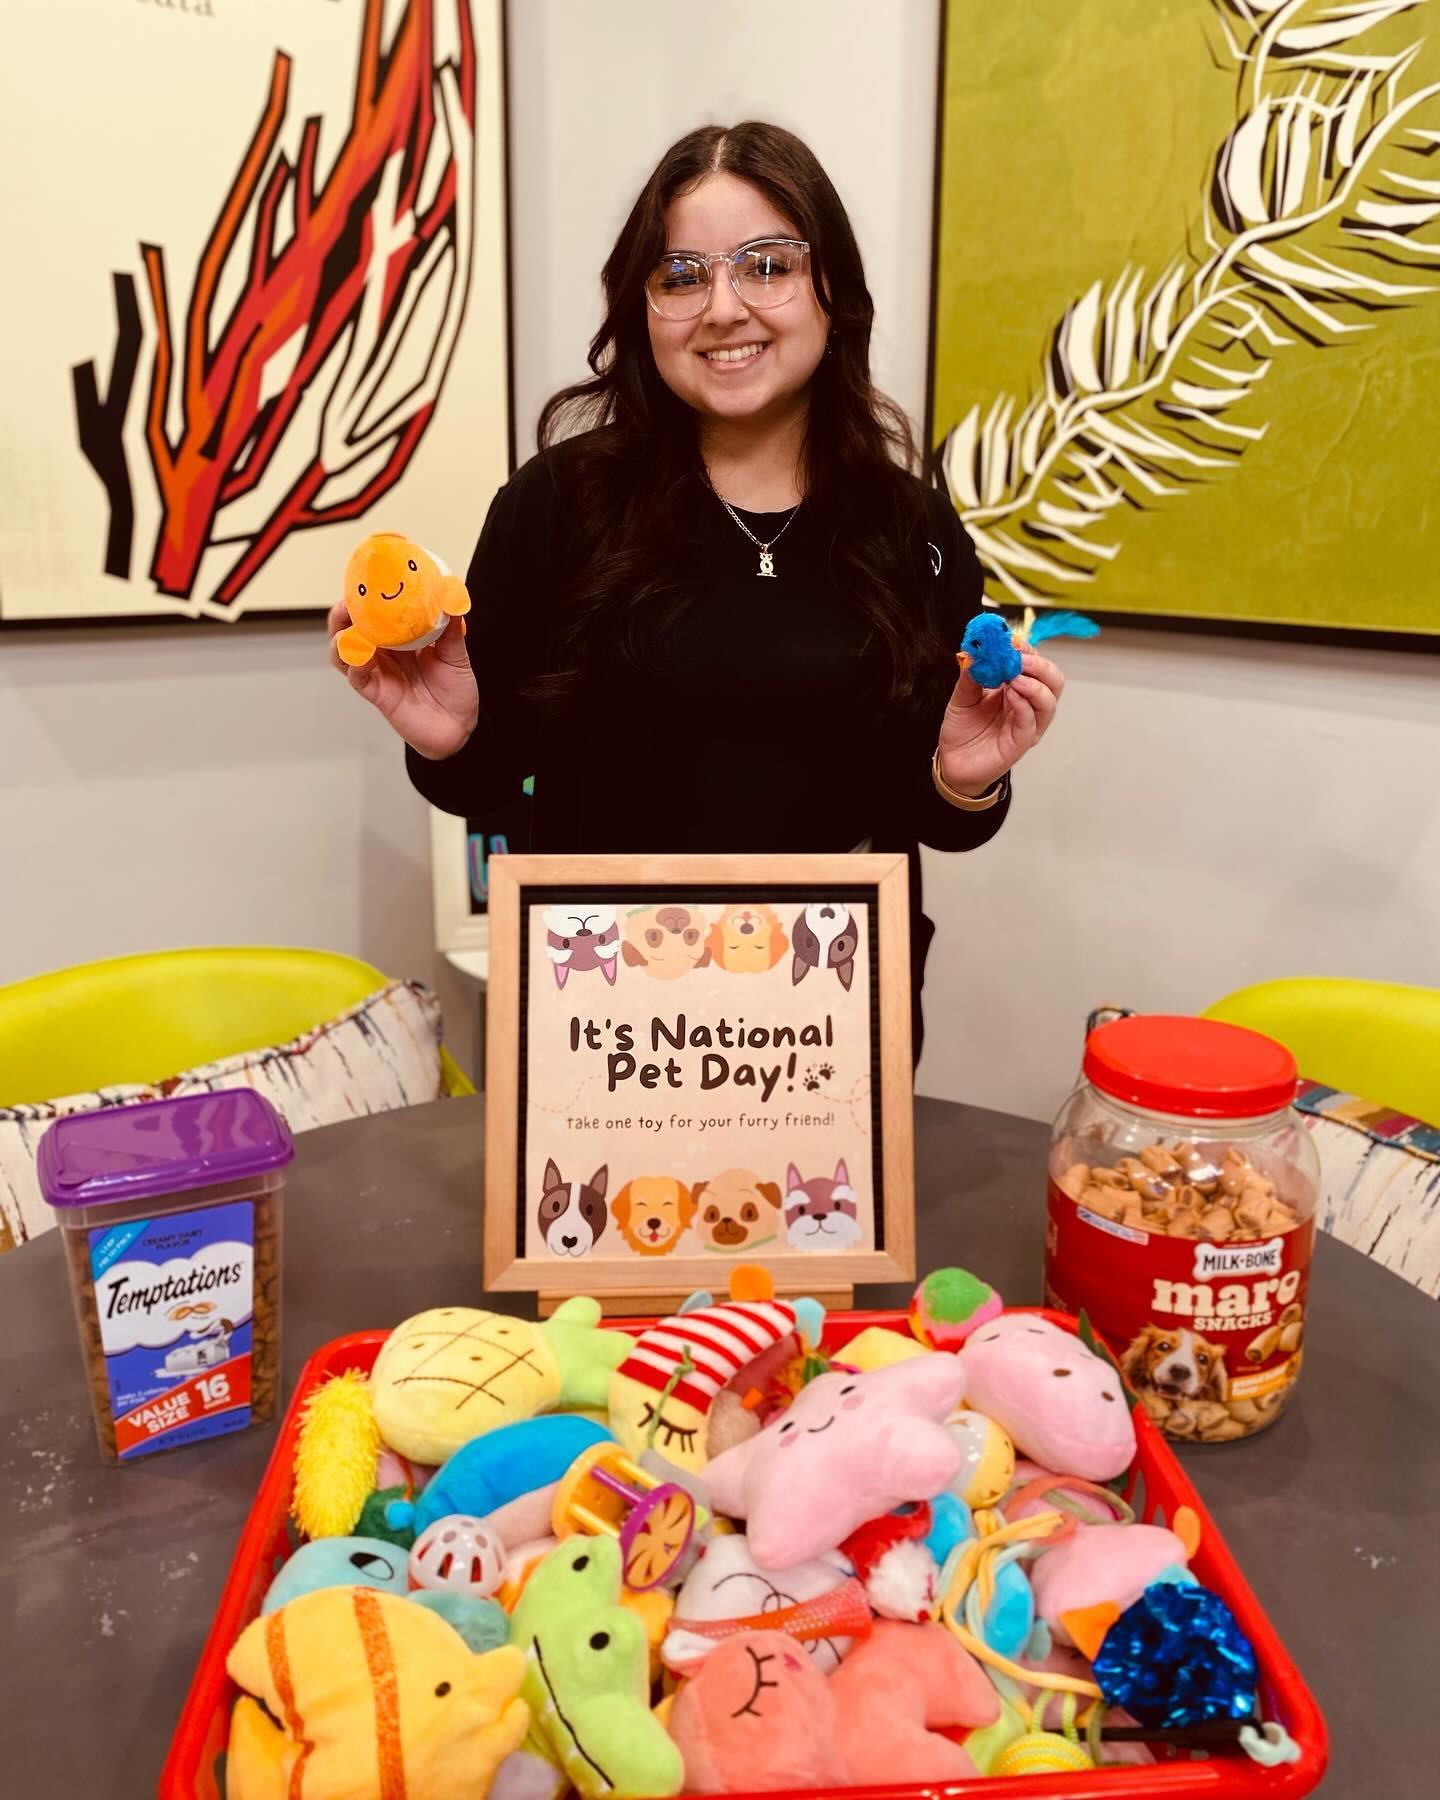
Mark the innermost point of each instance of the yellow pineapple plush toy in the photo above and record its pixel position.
(449, 1374)
(400, 596)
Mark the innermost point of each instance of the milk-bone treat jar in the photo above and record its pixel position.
(1181, 1219)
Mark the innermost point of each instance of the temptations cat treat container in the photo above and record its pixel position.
(170, 1215)
(1180, 1219)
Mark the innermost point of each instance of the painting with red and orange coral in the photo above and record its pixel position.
(261, 311)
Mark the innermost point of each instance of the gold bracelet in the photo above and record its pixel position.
(966, 802)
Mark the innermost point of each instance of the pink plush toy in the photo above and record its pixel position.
(849, 1449)
(898, 1688)
(1090, 1579)
(1060, 1403)
(761, 1718)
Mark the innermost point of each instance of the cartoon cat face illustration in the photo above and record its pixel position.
(821, 1213)
(578, 938)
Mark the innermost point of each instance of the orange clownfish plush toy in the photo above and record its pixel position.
(400, 597)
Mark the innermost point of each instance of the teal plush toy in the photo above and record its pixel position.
(483, 1624)
(587, 1681)
(373, 1563)
(338, 1562)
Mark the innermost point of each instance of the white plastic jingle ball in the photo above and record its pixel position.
(460, 1554)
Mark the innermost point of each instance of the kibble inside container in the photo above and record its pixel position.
(1180, 1219)
(170, 1212)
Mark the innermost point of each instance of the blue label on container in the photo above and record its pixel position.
(107, 1246)
(175, 1298)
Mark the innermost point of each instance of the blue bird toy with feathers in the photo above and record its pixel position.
(990, 650)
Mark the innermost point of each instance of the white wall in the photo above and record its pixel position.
(1206, 812)
(598, 92)
(170, 787)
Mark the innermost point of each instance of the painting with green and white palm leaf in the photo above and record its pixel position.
(1187, 328)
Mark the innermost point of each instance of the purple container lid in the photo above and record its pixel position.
(158, 1147)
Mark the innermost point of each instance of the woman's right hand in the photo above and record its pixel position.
(428, 696)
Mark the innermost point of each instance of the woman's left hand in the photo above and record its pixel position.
(987, 730)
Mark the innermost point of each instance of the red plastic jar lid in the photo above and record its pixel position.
(1198, 1068)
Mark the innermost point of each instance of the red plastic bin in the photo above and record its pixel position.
(1157, 1488)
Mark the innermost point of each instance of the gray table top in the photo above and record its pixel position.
(110, 1576)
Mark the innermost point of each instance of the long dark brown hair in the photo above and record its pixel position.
(629, 481)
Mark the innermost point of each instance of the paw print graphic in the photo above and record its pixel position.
(815, 1074)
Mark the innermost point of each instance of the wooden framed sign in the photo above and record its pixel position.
(698, 1061)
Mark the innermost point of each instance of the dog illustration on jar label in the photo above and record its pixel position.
(581, 938)
(1180, 1365)
(1181, 1380)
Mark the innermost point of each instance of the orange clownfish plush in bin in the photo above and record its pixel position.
(400, 597)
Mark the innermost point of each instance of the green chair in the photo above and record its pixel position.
(142, 1018)
(1375, 1039)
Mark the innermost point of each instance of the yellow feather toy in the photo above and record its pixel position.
(335, 1457)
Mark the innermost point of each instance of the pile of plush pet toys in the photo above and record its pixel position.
(715, 1557)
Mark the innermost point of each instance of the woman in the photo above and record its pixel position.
(718, 612)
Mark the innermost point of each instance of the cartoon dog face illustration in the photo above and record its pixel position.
(826, 937)
(578, 938)
(572, 1213)
(821, 1214)
(665, 941)
(736, 1211)
(653, 1212)
(747, 939)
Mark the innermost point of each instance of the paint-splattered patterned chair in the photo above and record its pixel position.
(324, 1036)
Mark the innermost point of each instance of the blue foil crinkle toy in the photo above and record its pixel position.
(1177, 1657)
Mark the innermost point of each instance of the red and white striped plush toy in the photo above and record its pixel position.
(664, 1395)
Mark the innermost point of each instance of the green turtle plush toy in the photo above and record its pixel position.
(587, 1680)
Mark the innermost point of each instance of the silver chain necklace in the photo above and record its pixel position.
(767, 560)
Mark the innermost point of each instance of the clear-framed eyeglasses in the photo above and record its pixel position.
(765, 273)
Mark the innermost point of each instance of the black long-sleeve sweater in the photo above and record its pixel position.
(764, 726)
